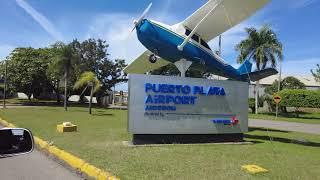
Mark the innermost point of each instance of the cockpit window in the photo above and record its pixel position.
(203, 43)
(188, 32)
(195, 37)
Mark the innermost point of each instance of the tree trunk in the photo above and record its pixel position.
(90, 101)
(297, 112)
(57, 93)
(5, 85)
(65, 92)
(58, 97)
(284, 109)
(256, 97)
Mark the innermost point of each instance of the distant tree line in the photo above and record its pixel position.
(293, 93)
(54, 68)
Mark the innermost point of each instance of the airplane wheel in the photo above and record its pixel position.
(153, 58)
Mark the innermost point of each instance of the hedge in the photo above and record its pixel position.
(300, 98)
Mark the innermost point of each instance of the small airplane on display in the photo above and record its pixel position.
(187, 40)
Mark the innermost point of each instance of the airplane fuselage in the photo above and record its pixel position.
(163, 41)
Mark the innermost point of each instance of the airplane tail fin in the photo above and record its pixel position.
(245, 67)
(245, 72)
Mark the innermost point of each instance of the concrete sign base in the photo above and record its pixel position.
(168, 109)
(139, 139)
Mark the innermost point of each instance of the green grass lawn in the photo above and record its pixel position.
(304, 117)
(100, 136)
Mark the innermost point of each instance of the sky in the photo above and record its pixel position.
(38, 24)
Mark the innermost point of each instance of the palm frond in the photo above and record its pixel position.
(261, 46)
(97, 85)
(88, 78)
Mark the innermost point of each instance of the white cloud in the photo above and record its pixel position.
(302, 3)
(41, 19)
(5, 50)
(116, 28)
(299, 66)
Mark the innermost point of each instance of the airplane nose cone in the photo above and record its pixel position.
(145, 28)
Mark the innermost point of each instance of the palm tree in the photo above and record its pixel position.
(88, 79)
(67, 55)
(62, 63)
(262, 47)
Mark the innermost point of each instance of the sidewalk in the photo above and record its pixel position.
(112, 106)
(286, 126)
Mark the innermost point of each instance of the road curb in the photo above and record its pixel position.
(70, 159)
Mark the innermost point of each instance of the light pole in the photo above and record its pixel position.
(113, 94)
(219, 51)
(279, 84)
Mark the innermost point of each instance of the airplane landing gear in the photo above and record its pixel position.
(153, 58)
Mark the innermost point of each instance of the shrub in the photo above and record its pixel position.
(289, 82)
(251, 103)
(299, 98)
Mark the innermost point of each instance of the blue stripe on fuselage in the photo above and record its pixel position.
(165, 42)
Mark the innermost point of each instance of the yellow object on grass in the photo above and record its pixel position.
(253, 169)
(66, 127)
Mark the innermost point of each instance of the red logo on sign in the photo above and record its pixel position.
(234, 120)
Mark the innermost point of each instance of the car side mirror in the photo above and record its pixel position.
(15, 141)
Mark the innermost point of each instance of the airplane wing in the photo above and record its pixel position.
(226, 15)
(142, 64)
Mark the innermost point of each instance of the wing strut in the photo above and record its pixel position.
(181, 46)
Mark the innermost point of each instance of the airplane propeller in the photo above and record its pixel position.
(137, 22)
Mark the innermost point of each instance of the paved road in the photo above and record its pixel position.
(286, 126)
(34, 166)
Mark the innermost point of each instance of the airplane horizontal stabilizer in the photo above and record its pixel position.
(257, 75)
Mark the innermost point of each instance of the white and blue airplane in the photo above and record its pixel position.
(188, 39)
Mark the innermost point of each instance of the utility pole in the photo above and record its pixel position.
(5, 84)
